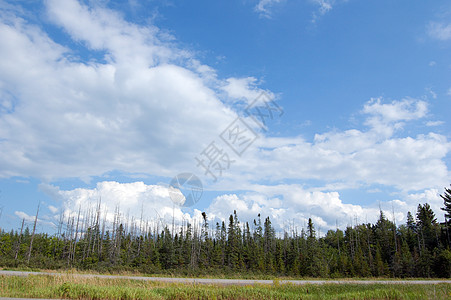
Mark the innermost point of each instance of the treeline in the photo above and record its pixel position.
(419, 248)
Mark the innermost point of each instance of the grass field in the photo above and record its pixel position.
(67, 286)
(239, 275)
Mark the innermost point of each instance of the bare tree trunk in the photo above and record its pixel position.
(96, 230)
(140, 230)
(60, 223)
(32, 235)
(19, 241)
(87, 236)
(76, 235)
(103, 233)
(71, 239)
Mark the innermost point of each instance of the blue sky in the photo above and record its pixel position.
(112, 99)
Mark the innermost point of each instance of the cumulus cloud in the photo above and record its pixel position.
(407, 109)
(243, 89)
(439, 30)
(140, 108)
(290, 206)
(431, 196)
(133, 201)
(353, 157)
(143, 105)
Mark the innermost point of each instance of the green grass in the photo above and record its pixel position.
(212, 274)
(70, 287)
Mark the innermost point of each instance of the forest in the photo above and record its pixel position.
(419, 248)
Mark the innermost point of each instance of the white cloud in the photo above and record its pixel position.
(385, 118)
(146, 106)
(133, 200)
(286, 205)
(53, 209)
(263, 7)
(440, 31)
(406, 163)
(141, 109)
(25, 216)
(430, 196)
(324, 6)
(244, 89)
(404, 110)
(289, 205)
(353, 157)
(40, 222)
(104, 29)
(434, 123)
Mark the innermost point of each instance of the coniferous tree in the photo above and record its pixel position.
(428, 227)
(362, 250)
(447, 202)
(447, 208)
(232, 244)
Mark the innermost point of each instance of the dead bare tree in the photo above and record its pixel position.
(103, 232)
(19, 241)
(75, 238)
(70, 224)
(32, 235)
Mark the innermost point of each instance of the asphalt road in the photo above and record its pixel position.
(226, 281)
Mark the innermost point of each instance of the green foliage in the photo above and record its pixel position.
(418, 248)
(447, 202)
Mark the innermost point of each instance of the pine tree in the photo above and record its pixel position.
(428, 226)
(407, 260)
(411, 235)
(447, 202)
(447, 208)
(311, 229)
(355, 252)
(232, 244)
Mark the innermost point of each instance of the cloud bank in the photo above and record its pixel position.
(126, 97)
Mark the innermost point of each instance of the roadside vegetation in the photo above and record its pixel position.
(70, 287)
(86, 241)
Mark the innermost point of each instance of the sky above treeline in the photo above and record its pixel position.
(292, 109)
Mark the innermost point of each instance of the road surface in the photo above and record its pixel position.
(226, 281)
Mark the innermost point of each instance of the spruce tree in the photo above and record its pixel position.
(447, 202)
(428, 226)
